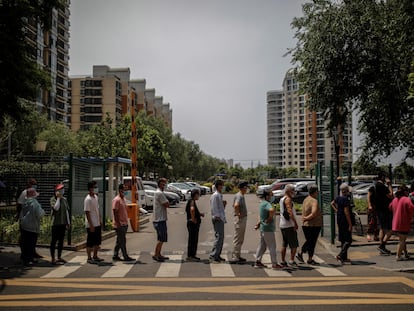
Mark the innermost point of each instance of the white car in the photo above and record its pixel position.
(184, 188)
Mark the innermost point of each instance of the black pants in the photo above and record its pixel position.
(311, 235)
(28, 242)
(58, 236)
(345, 237)
(193, 230)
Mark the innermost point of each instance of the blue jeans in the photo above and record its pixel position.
(218, 242)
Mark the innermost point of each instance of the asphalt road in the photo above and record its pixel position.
(371, 281)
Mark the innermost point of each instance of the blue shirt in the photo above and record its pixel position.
(217, 206)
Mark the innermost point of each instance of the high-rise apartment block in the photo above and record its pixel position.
(296, 136)
(111, 92)
(50, 49)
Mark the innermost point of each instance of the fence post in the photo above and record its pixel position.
(70, 197)
(104, 195)
(318, 176)
(332, 213)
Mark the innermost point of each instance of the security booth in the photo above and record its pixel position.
(108, 173)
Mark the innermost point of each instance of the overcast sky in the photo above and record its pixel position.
(213, 61)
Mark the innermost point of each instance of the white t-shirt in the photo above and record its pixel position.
(160, 212)
(91, 205)
(283, 223)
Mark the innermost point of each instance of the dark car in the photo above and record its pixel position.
(302, 191)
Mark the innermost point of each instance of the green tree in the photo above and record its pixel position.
(61, 141)
(23, 134)
(20, 76)
(105, 140)
(365, 165)
(356, 55)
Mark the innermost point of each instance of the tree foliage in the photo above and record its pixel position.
(356, 55)
(20, 75)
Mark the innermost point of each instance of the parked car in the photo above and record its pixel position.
(184, 188)
(301, 191)
(362, 192)
(151, 183)
(203, 189)
(173, 198)
(277, 184)
(177, 191)
(141, 199)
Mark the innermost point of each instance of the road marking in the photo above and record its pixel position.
(68, 268)
(119, 269)
(170, 269)
(138, 292)
(221, 269)
(272, 272)
(326, 271)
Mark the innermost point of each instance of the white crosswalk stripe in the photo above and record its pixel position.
(171, 268)
(221, 269)
(71, 266)
(119, 269)
(273, 272)
(326, 270)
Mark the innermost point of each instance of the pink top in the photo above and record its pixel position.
(119, 212)
(403, 210)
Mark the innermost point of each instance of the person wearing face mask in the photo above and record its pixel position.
(93, 223)
(60, 222)
(31, 183)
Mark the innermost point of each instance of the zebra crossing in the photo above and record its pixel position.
(176, 266)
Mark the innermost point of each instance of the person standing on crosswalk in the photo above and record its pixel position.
(160, 219)
(120, 224)
(218, 217)
(312, 224)
(267, 231)
(193, 224)
(93, 223)
(240, 221)
(288, 226)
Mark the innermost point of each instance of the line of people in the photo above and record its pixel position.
(311, 223)
(394, 215)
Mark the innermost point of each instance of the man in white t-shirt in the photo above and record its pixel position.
(160, 219)
(93, 223)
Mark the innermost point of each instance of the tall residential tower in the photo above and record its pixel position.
(296, 136)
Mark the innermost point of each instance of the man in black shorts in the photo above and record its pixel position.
(381, 195)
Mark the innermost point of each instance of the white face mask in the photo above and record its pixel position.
(62, 191)
(96, 190)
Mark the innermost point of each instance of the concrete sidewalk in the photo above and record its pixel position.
(364, 251)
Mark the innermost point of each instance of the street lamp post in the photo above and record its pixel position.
(40, 148)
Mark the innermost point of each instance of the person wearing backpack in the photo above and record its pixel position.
(29, 218)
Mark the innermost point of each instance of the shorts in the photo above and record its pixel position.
(385, 220)
(94, 238)
(161, 228)
(290, 237)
